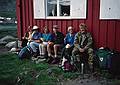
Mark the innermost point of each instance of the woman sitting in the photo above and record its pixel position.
(68, 41)
(27, 37)
(46, 37)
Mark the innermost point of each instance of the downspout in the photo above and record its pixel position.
(21, 24)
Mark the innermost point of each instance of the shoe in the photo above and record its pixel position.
(55, 61)
(35, 55)
(49, 60)
(33, 58)
(41, 56)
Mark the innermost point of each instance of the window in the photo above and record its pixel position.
(64, 6)
(109, 9)
(60, 9)
(51, 8)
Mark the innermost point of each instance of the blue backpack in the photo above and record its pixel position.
(26, 52)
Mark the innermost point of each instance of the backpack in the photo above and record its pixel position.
(114, 67)
(67, 66)
(25, 52)
(104, 56)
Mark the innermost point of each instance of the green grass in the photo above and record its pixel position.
(14, 71)
(8, 14)
(8, 29)
(25, 72)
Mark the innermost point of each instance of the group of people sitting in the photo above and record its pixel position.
(76, 47)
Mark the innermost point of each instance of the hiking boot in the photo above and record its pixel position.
(35, 55)
(41, 56)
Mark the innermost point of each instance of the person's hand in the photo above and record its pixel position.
(50, 43)
(23, 37)
(81, 50)
(67, 46)
(37, 41)
(42, 39)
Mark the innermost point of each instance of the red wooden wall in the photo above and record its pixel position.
(105, 32)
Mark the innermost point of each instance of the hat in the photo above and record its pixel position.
(83, 26)
(55, 26)
(35, 27)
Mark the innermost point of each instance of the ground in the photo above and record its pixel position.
(27, 72)
(3, 49)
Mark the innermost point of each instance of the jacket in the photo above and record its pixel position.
(83, 40)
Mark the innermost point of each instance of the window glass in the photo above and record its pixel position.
(64, 7)
(51, 7)
(60, 9)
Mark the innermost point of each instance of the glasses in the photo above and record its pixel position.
(70, 29)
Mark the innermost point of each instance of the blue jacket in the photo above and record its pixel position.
(47, 37)
(36, 36)
(69, 39)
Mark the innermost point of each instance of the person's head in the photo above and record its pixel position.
(35, 28)
(70, 29)
(46, 30)
(83, 28)
(55, 28)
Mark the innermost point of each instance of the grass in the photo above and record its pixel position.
(8, 29)
(14, 71)
(8, 14)
(25, 72)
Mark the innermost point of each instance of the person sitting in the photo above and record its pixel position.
(82, 46)
(46, 37)
(27, 37)
(58, 40)
(35, 40)
(67, 50)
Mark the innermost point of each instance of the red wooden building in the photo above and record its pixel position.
(105, 31)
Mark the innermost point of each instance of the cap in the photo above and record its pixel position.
(35, 27)
(55, 26)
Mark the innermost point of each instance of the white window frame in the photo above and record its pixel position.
(83, 10)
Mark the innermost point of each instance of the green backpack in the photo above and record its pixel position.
(104, 57)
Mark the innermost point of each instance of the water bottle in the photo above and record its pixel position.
(82, 68)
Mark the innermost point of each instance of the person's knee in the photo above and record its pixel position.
(31, 44)
(90, 50)
(56, 47)
(75, 51)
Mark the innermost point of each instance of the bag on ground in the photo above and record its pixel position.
(115, 63)
(104, 56)
(25, 52)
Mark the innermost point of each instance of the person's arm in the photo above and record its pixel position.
(90, 41)
(76, 40)
(65, 39)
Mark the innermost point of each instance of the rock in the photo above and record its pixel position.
(11, 44)
(8, 38)
(40, 60)
(19, 44)
(13, 50)
(49, 71)
(3, 42)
